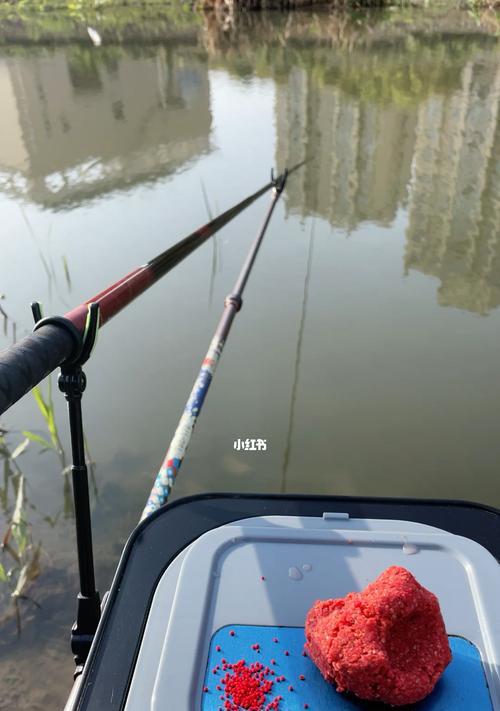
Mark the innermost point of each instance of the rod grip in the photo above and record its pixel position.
(24, 364)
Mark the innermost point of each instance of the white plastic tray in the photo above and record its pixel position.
(218, 581)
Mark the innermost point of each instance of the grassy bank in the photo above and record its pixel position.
(21, 23)
(19, 8)
(87, 5)
(158, 22)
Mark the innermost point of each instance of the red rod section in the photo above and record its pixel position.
(125, 290)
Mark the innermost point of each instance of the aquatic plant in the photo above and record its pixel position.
(6, 320)
(46, 408)
(21, 555)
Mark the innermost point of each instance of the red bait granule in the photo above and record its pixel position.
(246, 687)
(387, 643)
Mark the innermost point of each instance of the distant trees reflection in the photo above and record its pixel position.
(397, 118)
(393, 121)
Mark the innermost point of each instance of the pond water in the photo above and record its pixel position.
(367, 352)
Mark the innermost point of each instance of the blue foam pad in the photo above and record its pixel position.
(462, 687)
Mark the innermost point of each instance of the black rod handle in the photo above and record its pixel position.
(24, 364)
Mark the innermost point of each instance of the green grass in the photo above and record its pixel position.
(23, 24)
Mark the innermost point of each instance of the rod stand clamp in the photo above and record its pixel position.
(72, 382)
(82, 344)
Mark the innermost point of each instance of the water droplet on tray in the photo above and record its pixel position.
(294, 573)
(409, 548)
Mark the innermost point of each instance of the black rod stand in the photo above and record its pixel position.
(72, 383)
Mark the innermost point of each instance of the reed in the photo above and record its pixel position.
(21, 555)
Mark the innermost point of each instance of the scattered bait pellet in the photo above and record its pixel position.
(247, 688)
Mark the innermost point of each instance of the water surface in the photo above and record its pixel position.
(367, 352)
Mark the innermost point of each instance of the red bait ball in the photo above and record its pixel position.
(387, 643)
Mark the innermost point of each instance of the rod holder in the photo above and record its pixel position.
(72, 382)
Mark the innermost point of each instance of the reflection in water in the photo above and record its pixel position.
(402, 123)
(213, 270)
(391, 124)
(436, 153)
(77, 123)
(298, 354)
(454, 207)
(362, 152)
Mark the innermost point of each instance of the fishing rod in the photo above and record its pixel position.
(177, 450)
(58, 340)
(68, 342)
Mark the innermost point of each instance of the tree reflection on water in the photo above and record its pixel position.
(395, 120)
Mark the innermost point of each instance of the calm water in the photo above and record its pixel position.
(368, 349)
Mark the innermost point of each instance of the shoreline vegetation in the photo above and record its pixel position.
(72, 5)
(64, 22)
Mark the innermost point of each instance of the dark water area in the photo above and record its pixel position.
(367, 352)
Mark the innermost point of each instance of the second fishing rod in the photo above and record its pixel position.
(72, 382)
(176, 452)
